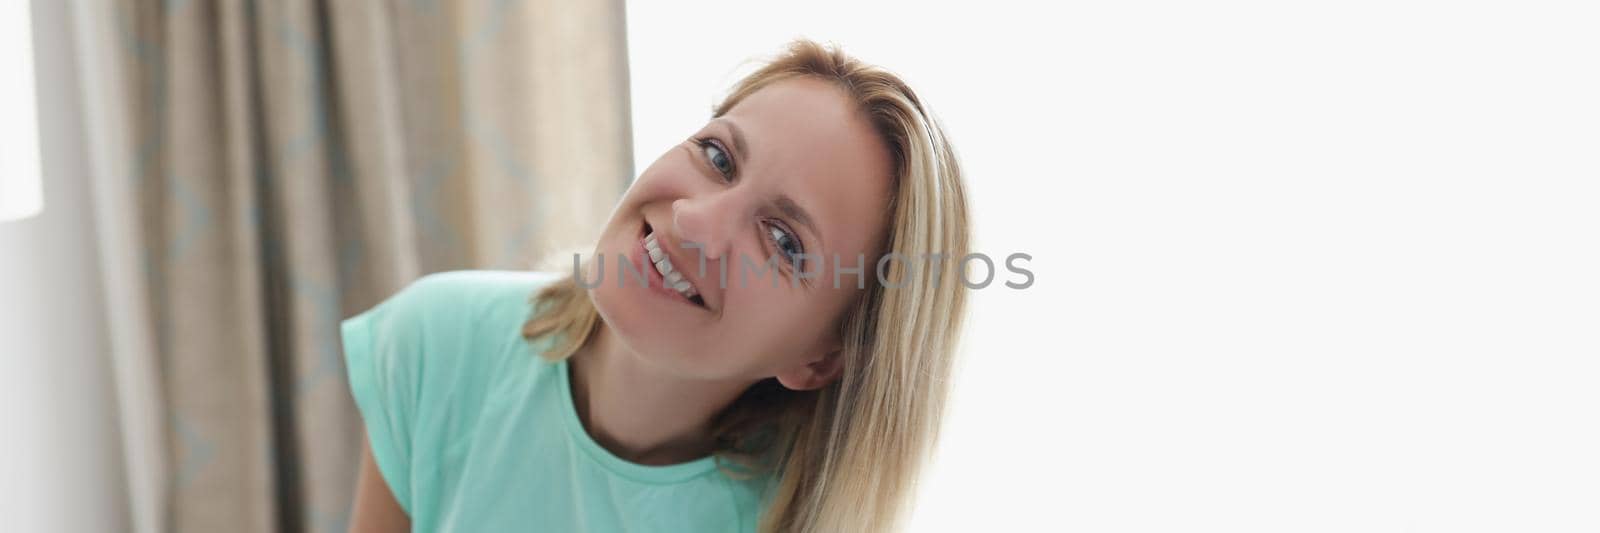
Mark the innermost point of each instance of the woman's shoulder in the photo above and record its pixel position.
(454, 334)
(458, 286)
(468, 296)
(456, 313)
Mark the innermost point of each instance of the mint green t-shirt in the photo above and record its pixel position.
(473, 431)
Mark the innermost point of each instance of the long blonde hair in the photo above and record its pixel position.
(848, 455)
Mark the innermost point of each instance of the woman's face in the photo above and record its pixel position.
(791, 174)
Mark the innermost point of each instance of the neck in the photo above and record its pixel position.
(641, 412)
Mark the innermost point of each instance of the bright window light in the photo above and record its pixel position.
(1300, 266)
(21, 190)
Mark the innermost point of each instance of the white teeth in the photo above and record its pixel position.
(672, 277)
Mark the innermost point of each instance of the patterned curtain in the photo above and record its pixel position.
(267, 168)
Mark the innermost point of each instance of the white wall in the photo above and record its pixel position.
(1300, 267)
(60, 457)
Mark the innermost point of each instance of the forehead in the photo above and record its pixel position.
(807, 139)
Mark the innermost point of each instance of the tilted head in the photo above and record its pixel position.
(812, 166)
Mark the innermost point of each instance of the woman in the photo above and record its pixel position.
(760, 341)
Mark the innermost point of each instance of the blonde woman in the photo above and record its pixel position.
(760, 341)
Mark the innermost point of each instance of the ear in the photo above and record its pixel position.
(814, 374)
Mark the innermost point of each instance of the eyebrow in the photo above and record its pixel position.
(789, 208)
(740, 148)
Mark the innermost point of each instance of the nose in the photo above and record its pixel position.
(708, 219)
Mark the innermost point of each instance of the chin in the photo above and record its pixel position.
(646, 323)
(642, 331)
(655, 322)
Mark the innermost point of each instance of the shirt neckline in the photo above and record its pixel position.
(655, 474)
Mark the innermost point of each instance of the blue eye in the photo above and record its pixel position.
(787, 243)
(717, 156)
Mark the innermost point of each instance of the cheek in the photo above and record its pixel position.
(779, 324)
(662, 182)
(669, 173)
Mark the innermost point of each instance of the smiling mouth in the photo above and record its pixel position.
(671, 277)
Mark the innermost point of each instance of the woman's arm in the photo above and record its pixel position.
(375, 509)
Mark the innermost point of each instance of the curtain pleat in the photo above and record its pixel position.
(290, 163)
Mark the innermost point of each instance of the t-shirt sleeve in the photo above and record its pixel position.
(421, 364)
(384, 354)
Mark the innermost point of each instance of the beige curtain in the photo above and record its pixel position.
(264, 169)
